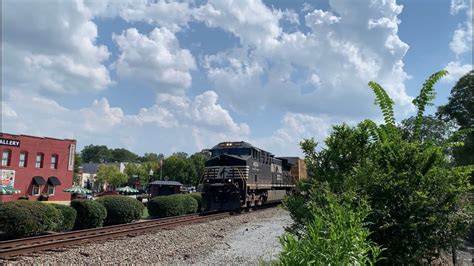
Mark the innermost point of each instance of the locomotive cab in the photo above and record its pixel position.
(240, 175)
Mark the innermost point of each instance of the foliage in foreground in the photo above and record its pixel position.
(121, 209)
(28, 218)
(335, 235)
(198, 197)
(417, 199)
(172, 205)
(90, 214)
(69, 215)
(460, 110)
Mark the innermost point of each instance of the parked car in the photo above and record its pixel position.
(107, 193)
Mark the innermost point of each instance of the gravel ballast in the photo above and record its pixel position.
(241, 239)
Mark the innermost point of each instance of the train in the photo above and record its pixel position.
(239, 175)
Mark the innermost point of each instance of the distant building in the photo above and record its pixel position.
(36, 166)
(164, 188)
(88, 174)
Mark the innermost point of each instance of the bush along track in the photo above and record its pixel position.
(172, 205)
(90, 214)
(416, 198)
(121, 209)
(28, 218)
(69, 215)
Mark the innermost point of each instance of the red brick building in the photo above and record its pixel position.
(36, 166)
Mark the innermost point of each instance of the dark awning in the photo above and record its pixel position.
(52, 180)
(39, 180)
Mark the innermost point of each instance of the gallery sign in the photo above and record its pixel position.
(9, 142)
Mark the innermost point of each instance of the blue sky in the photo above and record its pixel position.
(162, 76)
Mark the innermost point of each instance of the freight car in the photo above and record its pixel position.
(239, 175)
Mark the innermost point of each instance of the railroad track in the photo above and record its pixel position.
(23, 246)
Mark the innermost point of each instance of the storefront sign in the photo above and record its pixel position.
(9, 142)
(7, 178)
(72, 152)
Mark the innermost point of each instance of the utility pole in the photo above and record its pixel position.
(161, 169)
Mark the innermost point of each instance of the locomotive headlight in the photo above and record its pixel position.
(230, 180)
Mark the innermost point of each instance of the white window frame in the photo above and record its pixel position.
(23, 163)
(54, 190)
(39, 164)
(33, 190)
(55, 165)
(6, 161)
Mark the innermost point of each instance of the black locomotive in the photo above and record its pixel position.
(239, 175)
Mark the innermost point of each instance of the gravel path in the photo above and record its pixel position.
(251, 244)
(242, 239)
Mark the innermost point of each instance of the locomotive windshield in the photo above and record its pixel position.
(233, 151)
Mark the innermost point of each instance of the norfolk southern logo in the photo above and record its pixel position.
(9, 142)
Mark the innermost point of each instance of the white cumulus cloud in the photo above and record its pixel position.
(294, 128)
(321, 17)
(156, 58)
(51, 46)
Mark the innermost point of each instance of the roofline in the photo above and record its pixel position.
(244, 143)
(36, 137)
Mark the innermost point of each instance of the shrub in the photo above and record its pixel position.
(334, 236)
(90, 214)
(121, 209)
(417, 198)
(172, 205)
(198, 197)
(190, 204)
(28, 218)
(299, 211)
(69, 215)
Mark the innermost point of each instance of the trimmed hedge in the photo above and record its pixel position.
(69, 215)
(28, 218)
(198, 197)
(172, 205)
(121, 209)
(90, 214)
(190, 204)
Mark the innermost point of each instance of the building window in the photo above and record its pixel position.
(39, 160)
(6, 157)
(50, 190)
(23, 159)
(35, 191)
(54, 161)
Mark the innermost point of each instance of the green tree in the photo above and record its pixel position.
(180, 168)
(198, 159)
(96, 154)
(151, 157)
(110, 174)
(460, 110)
(140, 171)
(118, 180)
(77, 164)
(432, 129)
(460, 107)
(123, 155)
(417, 200)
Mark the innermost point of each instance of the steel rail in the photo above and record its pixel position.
(92, 231)
(33, 244)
